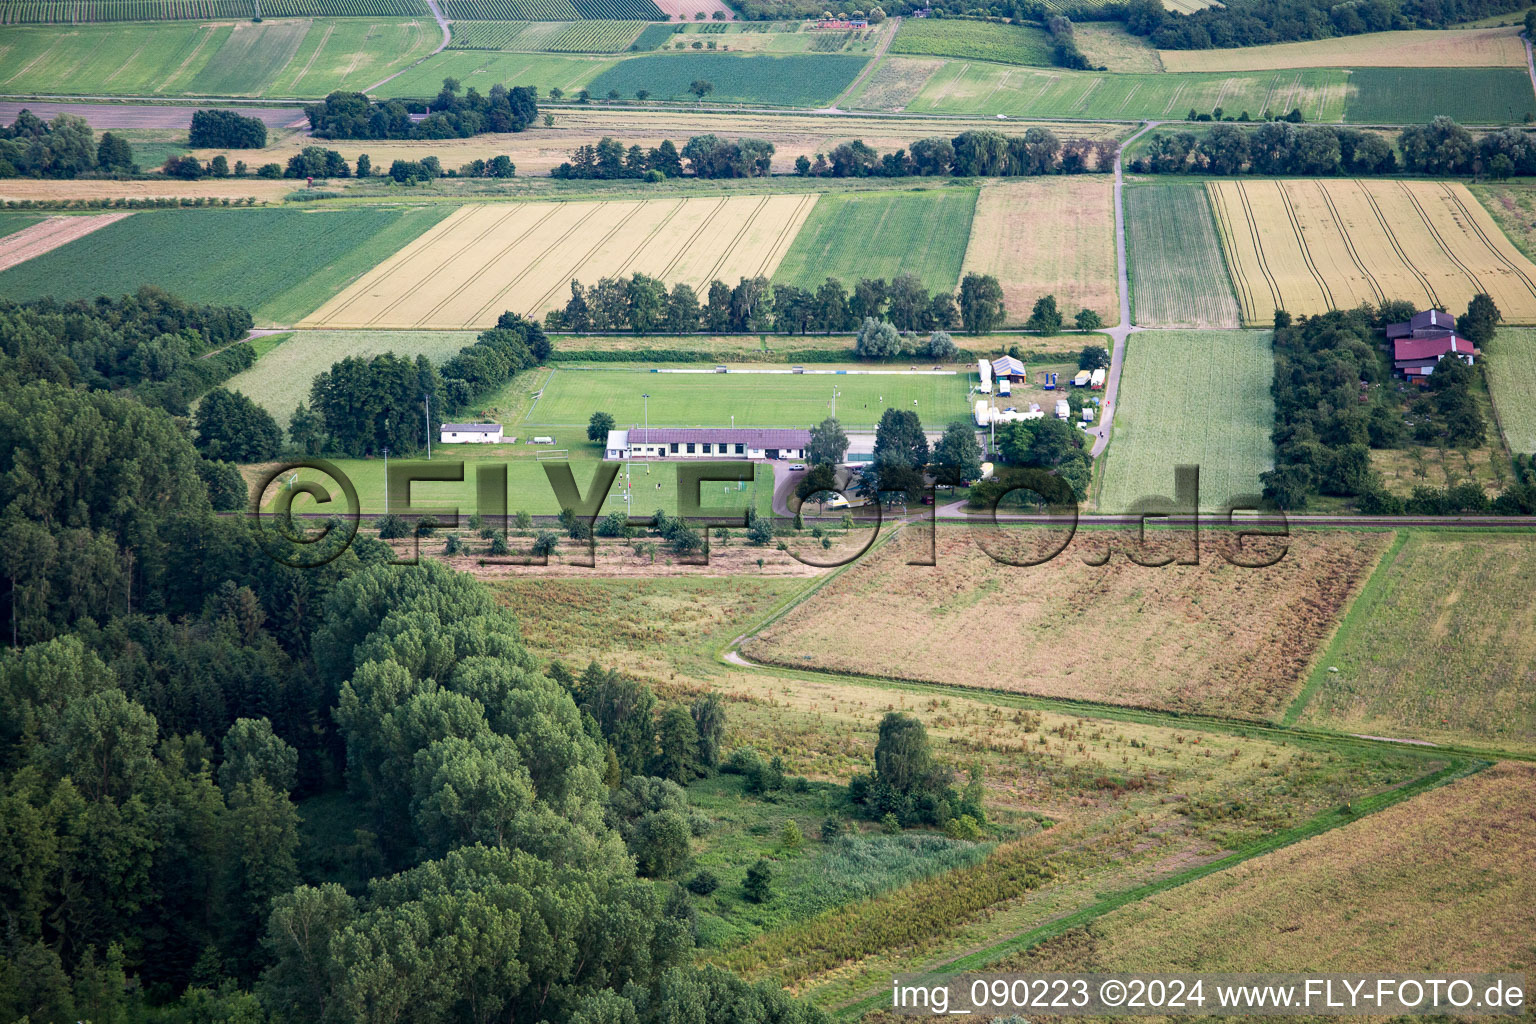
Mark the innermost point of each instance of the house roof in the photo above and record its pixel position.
(473, 428)
(1431, 348)
(752, 437)
(1428, 318)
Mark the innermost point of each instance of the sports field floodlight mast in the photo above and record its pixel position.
(386, 473)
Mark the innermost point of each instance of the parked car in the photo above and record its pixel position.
(797, 467)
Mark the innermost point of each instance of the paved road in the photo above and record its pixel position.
(1122, 330)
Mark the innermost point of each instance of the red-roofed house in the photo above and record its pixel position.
(1415, 357)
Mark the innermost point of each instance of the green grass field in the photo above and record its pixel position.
(10, 223)
(77, 12)
(297, 57)
(792, 80)
(973, 40)
(1417, 95)
(754, 399)
(1439, 646)
(972, 87)
(882, 235)
(552, 10)
(281, 377)
(280, 264)
(1178, 277)
(1191, 397)
(483, 69)
(1509, 364)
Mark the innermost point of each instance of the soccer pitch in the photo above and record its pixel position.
(754, 399)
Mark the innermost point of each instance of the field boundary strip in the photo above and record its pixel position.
(1369, 592)
(1349, 242)
(1319, 824)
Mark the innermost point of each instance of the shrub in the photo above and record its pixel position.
(703, 883)
(759, 884)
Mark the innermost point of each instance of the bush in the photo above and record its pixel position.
(392, 527)
(964, 827)
(703, 883)
(759, 884)
(832, 829)
(225, 129)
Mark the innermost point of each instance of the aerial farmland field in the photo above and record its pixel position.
(1178, 278)
(974, 40)
(1310, 246)
(1076, 631)
(280, 264)
(485, 68)
(1468, 95)
(280, 379)
(1509, 364)
(483, 260)
(920, 232)
(747, 399)
(1076, 213)
(547, 36)
(1463, 601)
(75, 12)
(973, 87)
(1197, 398)
(1396, 886)
(299, 57)
(1423, 48)
(790, 80)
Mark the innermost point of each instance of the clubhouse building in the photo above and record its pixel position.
(707, 443)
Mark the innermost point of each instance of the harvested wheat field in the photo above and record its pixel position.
(485, 259)
(1311, 246)
(1048, 236)
(1421, 48)
(39, 238)
(60, 189)
(1213, 638)
(1443, 881)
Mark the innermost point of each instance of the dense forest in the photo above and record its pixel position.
(173, 700)
(352, 115)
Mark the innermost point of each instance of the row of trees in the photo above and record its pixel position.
(971, 153)
(644, 304)
(707, 156)
(1441, 147)
(362, 405)
(352, 115)
(65, 147)
(1259, 22)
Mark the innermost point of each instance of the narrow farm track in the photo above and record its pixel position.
(1121, 331)
(869, 67)
(442, 45)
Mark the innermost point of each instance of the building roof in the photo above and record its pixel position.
(1429, 318)
(1007, 366)
(1431, 348)
(617, 439)
(473, 428)
(752, 437)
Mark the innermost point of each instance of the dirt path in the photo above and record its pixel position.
(442, 23)
(43, 236)
(1122, 330)
(885, 44)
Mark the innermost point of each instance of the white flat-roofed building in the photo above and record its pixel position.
(470, 433)
(707, 443)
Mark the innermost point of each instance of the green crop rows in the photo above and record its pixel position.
(973, 40)
(50, 12)
(548, 36)
(1196, 398)
(881, 235)
(802, 80)
(1178, 277)
(552, 10)
(280, 264)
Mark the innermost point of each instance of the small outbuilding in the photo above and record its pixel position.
(470, 433)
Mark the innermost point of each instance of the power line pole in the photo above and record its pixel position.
(427, 398)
